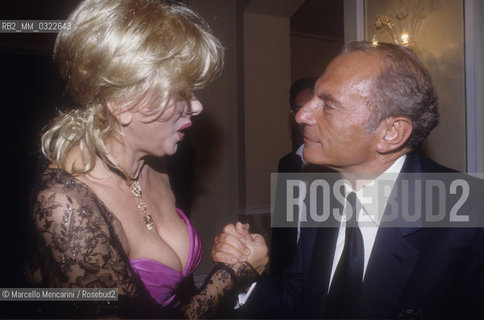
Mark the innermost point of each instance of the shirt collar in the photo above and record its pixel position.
(299, 152)
(374, 195)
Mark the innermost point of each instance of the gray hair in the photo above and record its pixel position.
(402, 88)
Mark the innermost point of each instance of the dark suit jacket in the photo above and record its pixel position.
(413, 271)
(283, 240)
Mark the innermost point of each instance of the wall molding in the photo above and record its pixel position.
(316, 37)
(254, 211)
(354, 20)
(360, 20)
(474, 139)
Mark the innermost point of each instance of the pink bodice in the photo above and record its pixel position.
(161, 280)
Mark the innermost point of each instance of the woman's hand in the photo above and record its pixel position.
(258, 256)
(230, 246)
(235, 244)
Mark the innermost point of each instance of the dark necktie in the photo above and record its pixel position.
(343, 297)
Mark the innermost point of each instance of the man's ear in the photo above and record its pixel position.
(394, 132)
(124, 117)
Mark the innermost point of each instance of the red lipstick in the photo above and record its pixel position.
(189, 124)
(181, 134)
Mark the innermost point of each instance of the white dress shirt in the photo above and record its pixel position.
(299, 152)
(373, 204)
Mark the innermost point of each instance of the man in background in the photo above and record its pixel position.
(284, 240)
(300, 93)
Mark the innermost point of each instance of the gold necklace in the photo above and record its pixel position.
(136, 191)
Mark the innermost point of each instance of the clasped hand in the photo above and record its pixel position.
(236, 244)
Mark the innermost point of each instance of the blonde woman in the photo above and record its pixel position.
(103, 217)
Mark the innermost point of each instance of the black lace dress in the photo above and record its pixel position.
(76, 245)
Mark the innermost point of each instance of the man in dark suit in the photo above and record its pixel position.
(371, 109)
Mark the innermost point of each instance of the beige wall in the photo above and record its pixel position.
(311, 55)
(243, 130)
(441, 47)
(267, 82)
(216, 131)
(239, 143)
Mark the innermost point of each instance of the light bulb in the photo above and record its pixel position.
(374, 42)
(404, 38)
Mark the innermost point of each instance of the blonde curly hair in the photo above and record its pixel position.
(131, 52)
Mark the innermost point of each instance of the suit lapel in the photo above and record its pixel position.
(393, 256)
(391, 264)
(317, 247)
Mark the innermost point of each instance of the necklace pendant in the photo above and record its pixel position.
(148, 222)
(136, 191)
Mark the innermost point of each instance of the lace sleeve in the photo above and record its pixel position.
(76, 247)
(79, 246)
(218, 284)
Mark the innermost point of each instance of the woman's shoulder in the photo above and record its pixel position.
(60, 195)
(53, 176)
(58, 181)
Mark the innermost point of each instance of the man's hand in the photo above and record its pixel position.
(258, 256)
(230, 246)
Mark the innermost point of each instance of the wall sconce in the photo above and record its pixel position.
(405, 28)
